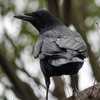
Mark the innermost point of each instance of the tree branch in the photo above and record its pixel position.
(23, 88)
(87, 94)
(53, 7)
(67, 12)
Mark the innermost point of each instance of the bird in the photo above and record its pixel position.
(61, 50)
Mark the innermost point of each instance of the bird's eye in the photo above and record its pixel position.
(38, 16)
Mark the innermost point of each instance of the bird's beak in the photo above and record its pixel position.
(25, 16)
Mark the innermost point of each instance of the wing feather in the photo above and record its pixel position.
(73, 43)
(62, 49)
(38, 48)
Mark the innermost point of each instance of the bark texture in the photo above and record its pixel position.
(92, 93)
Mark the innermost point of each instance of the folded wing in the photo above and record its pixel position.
(61, 50)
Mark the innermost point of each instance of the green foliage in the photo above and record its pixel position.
(3, 98)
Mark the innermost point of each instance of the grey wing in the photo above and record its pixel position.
(49, 47)
(38, 48)
(61, 50)
(76, 50)
(73, 44)
(65, 50)
(46, 47)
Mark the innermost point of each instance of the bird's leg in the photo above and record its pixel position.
(75, 91)
(47, 84)
(74, 85)
(47, 93)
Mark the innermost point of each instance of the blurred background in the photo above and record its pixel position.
(20, 74)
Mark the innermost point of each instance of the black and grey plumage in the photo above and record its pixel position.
(61, 50)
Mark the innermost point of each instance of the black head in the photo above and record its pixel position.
(41, 19)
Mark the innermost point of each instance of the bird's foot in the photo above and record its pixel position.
(75, 92)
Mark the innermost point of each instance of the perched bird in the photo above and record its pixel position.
(61, 50)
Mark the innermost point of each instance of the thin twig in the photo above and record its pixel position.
(95, 79)
(42, 93)
(66, 86)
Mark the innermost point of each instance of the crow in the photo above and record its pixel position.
(61, 50)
